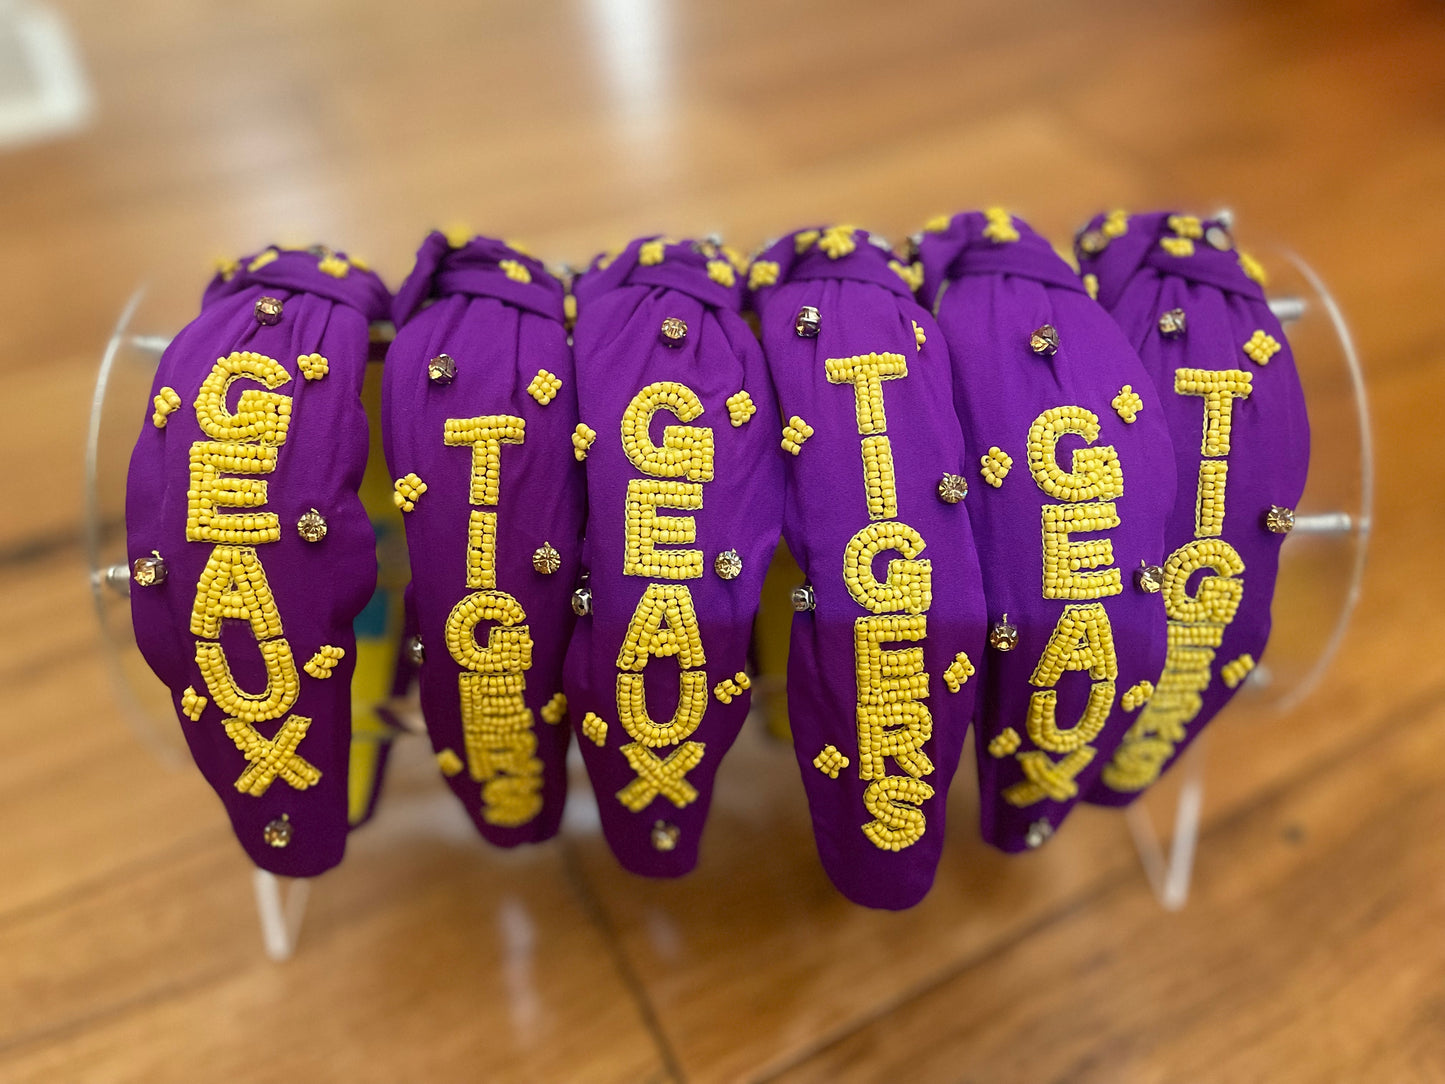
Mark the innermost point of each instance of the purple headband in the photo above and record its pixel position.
(685, 497)
(1075, 478)
(479, 405)
(1193, 307)
(891, 620)
(251, 551)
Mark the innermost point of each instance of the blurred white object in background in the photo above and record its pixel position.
(43, 92)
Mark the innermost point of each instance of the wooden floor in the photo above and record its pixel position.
(1313, 947)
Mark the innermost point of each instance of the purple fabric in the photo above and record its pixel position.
(500, 332)
(1139, 280)
(991, 296)
(867, 831)
(621, 307)
(318, 587)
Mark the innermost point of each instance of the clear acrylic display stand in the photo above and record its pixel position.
(1320, 569)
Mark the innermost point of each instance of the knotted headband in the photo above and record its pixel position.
(1194, 309)
(685, 499)
(251, 551)
(1074, 478)
(479, 406)
(891, 622)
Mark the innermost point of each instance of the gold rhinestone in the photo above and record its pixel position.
(312, 526)
(149, 571)
(1093, 242)
(1044, 340)
(1149, 578)
(277, 832)
(582, 601)
(1038, 832)
(728, 565)
(442, 369)
(808, 321)
(1279, 519)
(803, 599)
(673, 331)
(414, 651)
(1003, 636)
(1218, 237)
(1172, 323)
(952, 488)
(268, 311)
(546, 560)
(665, 836)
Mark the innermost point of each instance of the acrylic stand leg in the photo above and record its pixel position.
(281, 916)
(1169, 874)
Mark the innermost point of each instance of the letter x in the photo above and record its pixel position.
(663, 777)
(273, 757)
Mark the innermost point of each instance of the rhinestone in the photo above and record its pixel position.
(442, 369)
(582, 601)
(1218, 237)
(802, 598)
(268, 311)
(1172, 323)
(952, 488)
(312, 526)
(673, 331)
(545, 559)
(1038, 832)
(1279, 519)
(1093, 242)
(665, 836)
(277, 832)
(1044, 340)
(728, 565)
(1149, 578)
(413, 650)
(1003, 636)
(807, 322)
(149, 571)
(911, 246)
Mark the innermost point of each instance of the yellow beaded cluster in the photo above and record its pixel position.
(166, 402)
(544, 386)
(324, 661)
(449, 763)
(646, 529)
(283, 684)
(569, 310)
(730, 688)
(1177, 246)
(485, 435)
(1209, 499)
(803, 240)
(937, 224)
(910, 273)
(795, 433)
(1236, 670)
(1137, 695)
(555, 710)
(192, 703)
(263, 259)
(1127, 404)
(406, 490)
(273, 757)
(1005, 743)
(260, 416)
(1096, 473)
(721, 272)
(893, 801)
(995, 466)
(227, 267)
(582, 438)
(1261, 347)
(1186, 226)
(1116, 223)
(878, 478)
(1045, 778)
(838, 241)
(909, 586)
(1219, 389)
(919, 338)
(1000, 228)
(208, 489)
(830, 761)
(1252, 268)
(687, 450)
(333, 265)
(740, 408)
(1091, 286)
(1066, 563)
(660, 777)
(866, 372)
(958, 672)
(595, 728)
(762, 273)
(649, 253)
(313, 366)
(515, 270)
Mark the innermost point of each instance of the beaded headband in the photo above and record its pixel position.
(479, 405)
(685, 500)
(890, 624)
(1194, 308)
(1075, 475)
(251, 550)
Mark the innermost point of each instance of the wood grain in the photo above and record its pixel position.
(128, 942)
